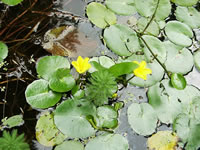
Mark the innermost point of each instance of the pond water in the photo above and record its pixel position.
(26, 48)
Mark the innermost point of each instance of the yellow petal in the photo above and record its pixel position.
(143, 64)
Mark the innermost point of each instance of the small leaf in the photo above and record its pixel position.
(38, 94)
(47, 133)
(189, 16)
(185, 2)
(108, 142)
(47, 66)
(123, 68)
(125, 7)
(62, 81)
(70, 145)
(163, 140)
(13, 121)
(178, 81)
(142, 118)
(3, 51)
(107, 116)
(100, 15)
(11, 2)
(179, 33)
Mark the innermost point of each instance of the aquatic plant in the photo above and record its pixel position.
(12, 141)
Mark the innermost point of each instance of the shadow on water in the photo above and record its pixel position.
(24, 35)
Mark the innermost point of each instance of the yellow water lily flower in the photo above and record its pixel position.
(142, 71)
(81, 65)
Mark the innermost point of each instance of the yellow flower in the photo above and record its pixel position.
(142, 71)
(81, 65)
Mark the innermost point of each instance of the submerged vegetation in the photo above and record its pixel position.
(154, 50)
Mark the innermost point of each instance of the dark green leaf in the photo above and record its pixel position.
(123, 68)
(178, 81)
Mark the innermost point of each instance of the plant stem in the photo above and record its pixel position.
(153, 16)
(150, 50)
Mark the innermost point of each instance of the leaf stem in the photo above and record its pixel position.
(150, 50)
(153, 16)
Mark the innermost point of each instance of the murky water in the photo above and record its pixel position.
(21, 62)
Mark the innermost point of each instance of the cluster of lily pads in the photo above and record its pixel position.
(86, 107)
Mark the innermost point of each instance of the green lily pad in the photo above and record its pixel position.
(188, 131)
(70, 118)
(125, 7)
(178, 81)
(147, 8)
(197, 59)
(153, 28)
(62, 81)
(47, 66)
(11, 2)
(189, 16)
(47, 133)
(38, 94)
(142, 118)
(3, 51)
(123, 68)
(108, 142)
(70, 145)
(163, 96)
(176, 57)
(13, 121)
(100, 15)
(179, 33)
(107, 116)
(185, 2)
(156, 76)
(156, 46)
(121, 40)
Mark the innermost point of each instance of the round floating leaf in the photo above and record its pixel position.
(123, 68)
(47, 66)
(70, 118)
(121, 39)
(47, 133)
(125, 7)
(70, 145)
(162, 140)
(13, 121)
(142, 118)
(11, 2)
(163, 96)
(147, 8)
(100, 15)
(107, 117)
(38, 94)
(153, 28)
(188, 131)
(185, 2)
(62, 81)
(156, 76)
(179, 33)
(3, 51)
(178, 81)
(108, 142)
(156, 46)
(197, 59)
(189, 16)
(176, 57)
